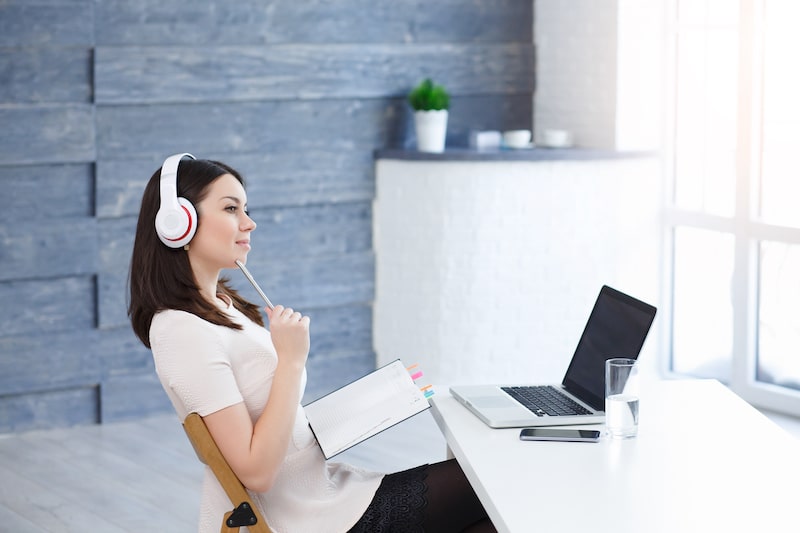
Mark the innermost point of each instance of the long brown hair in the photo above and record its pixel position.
(160, 277)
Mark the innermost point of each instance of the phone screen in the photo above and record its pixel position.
(561, 434)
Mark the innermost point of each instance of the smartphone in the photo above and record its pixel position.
(562, 434)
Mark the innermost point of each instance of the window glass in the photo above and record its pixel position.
(705, 120)
(779, 314)
(708, 11)
(780, 172)
(710, 50)
(702, 324)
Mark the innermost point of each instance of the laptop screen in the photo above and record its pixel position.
(617, 327)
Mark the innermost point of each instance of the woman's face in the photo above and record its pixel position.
(223, 230)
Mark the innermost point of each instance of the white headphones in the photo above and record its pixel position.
(176, 220)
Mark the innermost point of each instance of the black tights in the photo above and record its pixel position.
(433, 498)
(452, 504)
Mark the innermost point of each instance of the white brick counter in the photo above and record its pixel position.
(487, 270)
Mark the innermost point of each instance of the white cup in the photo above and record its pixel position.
(517, 138)
(622, 397)
(556, 138)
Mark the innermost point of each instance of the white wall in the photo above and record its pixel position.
(576, 70)
(641, 74)
(599, 71)
(487, 271)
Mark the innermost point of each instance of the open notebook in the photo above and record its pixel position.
(364, 408)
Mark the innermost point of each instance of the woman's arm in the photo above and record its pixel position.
(255, 452)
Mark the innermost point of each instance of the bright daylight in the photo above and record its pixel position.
(735, 219)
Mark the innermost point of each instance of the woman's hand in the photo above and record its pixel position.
(290, 334)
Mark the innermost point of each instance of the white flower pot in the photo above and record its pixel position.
(431, 127)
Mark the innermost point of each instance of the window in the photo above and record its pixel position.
(734, 217)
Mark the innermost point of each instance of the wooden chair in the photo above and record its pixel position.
(244, 514)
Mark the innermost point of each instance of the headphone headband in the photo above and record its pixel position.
(176, 220)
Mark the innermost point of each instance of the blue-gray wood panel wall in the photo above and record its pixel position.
(297, 95)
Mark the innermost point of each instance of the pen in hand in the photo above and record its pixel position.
(253, 282)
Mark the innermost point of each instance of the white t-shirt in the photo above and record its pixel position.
(204, 368)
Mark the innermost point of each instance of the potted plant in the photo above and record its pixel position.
(430, 103)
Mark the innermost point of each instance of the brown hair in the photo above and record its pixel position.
(161, 277)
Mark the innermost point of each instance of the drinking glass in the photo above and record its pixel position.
(622, 397)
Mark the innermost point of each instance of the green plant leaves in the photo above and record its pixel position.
(428, 96)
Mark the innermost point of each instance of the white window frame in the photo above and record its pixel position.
(744, 225)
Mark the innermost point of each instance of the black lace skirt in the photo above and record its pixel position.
(398, 505)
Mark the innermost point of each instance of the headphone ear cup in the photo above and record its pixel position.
(176, 227)
(192, 213)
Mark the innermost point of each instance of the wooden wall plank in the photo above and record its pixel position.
(160, 130)
(337, 332)
(38, 134)
(124, 397)
(153, 74)
(296, 234)
(51, 362)
(340, 330)
(313, 230)
(121, 353)
(46, 75)
(309, 282)
(290, 127)
(61, 247)
(47, 23)
(220, 22)
(112, 298)
(47, 306)
(286, 232)
(286, 177)
(52, 191)
(115, 243)
(68, 359)
(59, 408)
(304, 282)
(314, 169)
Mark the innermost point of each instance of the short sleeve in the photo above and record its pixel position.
(192, 363)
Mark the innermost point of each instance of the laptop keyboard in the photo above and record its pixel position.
(546, 400)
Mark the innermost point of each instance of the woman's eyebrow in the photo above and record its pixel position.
(233, 199)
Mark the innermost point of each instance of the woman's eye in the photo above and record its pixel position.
(231, 209)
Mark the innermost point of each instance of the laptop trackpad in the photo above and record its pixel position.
(492, 402)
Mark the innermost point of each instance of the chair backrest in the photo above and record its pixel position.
(209, 454)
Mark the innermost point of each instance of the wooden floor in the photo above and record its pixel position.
(143, 476)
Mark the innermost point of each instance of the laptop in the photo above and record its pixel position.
(617, 327)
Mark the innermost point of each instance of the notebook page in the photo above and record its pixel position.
(364, 408)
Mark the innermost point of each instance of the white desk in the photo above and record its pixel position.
(720, 467)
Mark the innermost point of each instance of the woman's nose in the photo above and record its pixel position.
(248, 223)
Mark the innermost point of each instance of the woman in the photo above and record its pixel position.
(214, 357)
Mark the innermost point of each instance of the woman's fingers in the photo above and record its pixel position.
(287, 315)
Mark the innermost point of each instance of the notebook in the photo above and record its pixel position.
(365, 407)
(617, 327)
